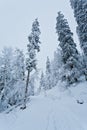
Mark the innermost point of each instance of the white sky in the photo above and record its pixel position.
(16, 17)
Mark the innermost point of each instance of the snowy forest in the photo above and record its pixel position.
(19, 73)
(53, 97)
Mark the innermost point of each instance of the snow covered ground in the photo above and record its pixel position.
(58, 110)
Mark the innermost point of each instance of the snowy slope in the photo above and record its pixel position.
(58, 110)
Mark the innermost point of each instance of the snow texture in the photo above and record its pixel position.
(58, 110)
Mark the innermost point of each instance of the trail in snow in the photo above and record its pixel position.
(56, 111)
(61, 117)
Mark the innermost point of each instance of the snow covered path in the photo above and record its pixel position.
(61, 117)
(56, 111)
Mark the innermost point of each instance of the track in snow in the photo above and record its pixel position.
(61, 117)
(52, 112)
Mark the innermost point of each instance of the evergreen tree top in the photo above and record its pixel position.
(35, 27)
(34, 37)
(62, 25)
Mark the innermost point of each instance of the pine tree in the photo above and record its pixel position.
(48, 74)
(70, 54)
(34, 37)
(18, 78)
(11, 77)
(80, 13)
(19, 65)
(6, 75)
(42, 83)
(56, 65)
(32, 48)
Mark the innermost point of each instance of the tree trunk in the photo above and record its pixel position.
(26, 91)
(85, 73)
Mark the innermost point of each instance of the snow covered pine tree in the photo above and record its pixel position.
(12, 74)
(5, 76)
(19, 65)
(42, 83)
(48, 75)
(80, 13)
(70, 54)
(56, 66)
(32, 48)
(18, 72)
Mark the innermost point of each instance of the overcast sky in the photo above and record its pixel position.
(16, 17)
